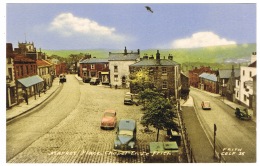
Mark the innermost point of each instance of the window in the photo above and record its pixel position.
(10, 73)
(164, 70)
(244, 97)
(93, 74)
(237, 94)
(243, 72)
(164, 85)
(115, 68)
(116, 78)
(250, 73)
(21, 68)
(92, 66)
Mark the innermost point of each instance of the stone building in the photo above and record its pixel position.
(227, 82)
(164, 73)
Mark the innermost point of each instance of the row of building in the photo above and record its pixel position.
(28, 72)
(237, 85)
(116, 69)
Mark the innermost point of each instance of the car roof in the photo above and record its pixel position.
(126, 124)
(111, 111)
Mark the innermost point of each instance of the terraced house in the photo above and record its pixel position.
(93, 67)
(164, 73)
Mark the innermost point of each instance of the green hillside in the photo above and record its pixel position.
(220, 55)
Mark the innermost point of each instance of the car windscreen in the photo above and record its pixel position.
(126, 132)
(110, 114)
(128, 97)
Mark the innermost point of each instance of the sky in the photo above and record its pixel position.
(116, 25)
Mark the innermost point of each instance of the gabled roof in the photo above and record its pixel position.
(252, 64)
(208, 76)
(123, 57)
(153, 62)
(94, 60)
(227, 73)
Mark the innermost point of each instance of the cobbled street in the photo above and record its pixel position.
(78, 137)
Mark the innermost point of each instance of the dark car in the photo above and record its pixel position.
(86, 80)
(62, 78)
(128, 99)
(242, 113)
(125, 141)
(94, 81)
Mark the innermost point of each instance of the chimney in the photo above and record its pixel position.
(253, 57)
(170, 57)
(158, 55)
(125, 51)
(232, 72)
(138, 51)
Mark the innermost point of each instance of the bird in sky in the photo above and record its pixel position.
(149, 9)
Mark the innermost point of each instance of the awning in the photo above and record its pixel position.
(104, 73)
(29, 81)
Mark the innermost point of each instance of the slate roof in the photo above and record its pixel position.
(153, 62)
(94, 60)
(123, 57)
(227, 73)
(208, 76)
(252, 64)
(22, 58)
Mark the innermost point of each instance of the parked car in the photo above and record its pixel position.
(125, 140)
(86, 80)
(242, 113)
(108, 120)
(94, 81)
(128, 99)
(205, 105)
(62, 78)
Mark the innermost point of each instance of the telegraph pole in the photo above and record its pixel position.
(215, 129)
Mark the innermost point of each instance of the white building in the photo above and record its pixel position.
(244, 90)
(119, 67)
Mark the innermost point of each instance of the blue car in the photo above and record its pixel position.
(125, 142)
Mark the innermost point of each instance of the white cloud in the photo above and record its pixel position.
(201, 39)
(68, 25)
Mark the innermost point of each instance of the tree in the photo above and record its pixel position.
(140, 80)
(148, 95)
(159, 113)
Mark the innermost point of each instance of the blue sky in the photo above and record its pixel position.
(116, 25)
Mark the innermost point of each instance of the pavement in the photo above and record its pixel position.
(22, 107)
